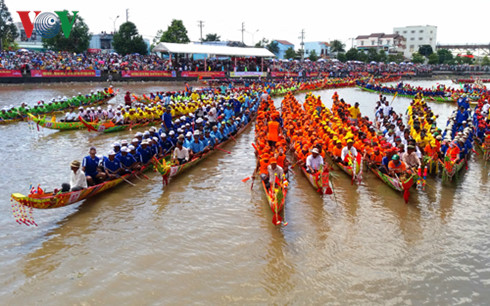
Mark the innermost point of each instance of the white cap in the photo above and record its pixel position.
(125, 149)
(112, 152)
(131, 148)
(188, 134)
(116, 144)
(196, 132)
(171, 133)
(124, 142)
(135, 140)
(152, 129)
(155, 139)
(139, 134)
(146, 133)
(163, 135)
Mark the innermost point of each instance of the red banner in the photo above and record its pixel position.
(203, 74)
(62, 73)
(10, 73)
(283, 74)
(144, 73)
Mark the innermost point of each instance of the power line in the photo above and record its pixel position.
(243, 30)
(201, 25)
(302, 44)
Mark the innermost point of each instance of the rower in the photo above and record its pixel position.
(396, 166)
(273, 131)
(196, 146)
(128, 162)
(90, 166)
(349, 153)
(410, 158)
(274, 171)
(78, 180)
(314, 161)
(181, 154)
(355, 113)
(112, 166)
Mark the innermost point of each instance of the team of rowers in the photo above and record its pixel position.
(183, 139)
(59, 104)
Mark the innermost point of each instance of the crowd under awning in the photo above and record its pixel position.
(174, 48)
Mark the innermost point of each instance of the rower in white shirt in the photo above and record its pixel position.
(314, 161)
(348, 150)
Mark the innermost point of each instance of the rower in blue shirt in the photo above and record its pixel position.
(196, 146)
(90, 166)
(216, 134)
(145, 152)
(112, 166)
(127, 160)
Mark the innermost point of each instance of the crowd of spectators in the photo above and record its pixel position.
(114, 63)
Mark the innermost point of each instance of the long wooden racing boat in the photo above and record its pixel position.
(396, 183)
(29, 116)
(168, 170)
(56, 125)
(429, 98)
(276, 196)
(451, 169)
(320, 180)
(110, 127)
(23, 204)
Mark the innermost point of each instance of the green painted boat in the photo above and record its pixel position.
(56, 125)
(395, 183)
(109, 127)
(436, 99)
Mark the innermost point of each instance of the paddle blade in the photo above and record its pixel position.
(329, 190)
(246, 179)
(406, 195)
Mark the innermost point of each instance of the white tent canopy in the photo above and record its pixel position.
(211, 50)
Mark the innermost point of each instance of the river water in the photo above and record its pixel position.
(208, 239)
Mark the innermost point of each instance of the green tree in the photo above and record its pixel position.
(290, 53)
(176, 33)
(485, 61)
(372, 55)
(433, 59)
(313, 56)
(273, 47)
(445, 56)
(299, 53)
(352, 54)
(8, 31)
(382, 57)
(262, 43)
(128, 41)
(418, 58)
(397, 58)
(425, 50)
(78, 40)
(468, 60)
(341, 57)
(337, 46)
(156, 39)
(212, 37)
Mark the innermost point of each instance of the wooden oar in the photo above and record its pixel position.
(222, 150)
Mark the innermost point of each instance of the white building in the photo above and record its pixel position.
(417, 36)
(390, 43)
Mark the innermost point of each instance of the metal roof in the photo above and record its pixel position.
(211, 50)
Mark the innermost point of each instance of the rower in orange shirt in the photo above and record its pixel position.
(396, 166)
(273, 131)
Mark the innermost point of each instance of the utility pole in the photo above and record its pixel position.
(200, 25)
(243, 30)
(127, 15)
(302, 44)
